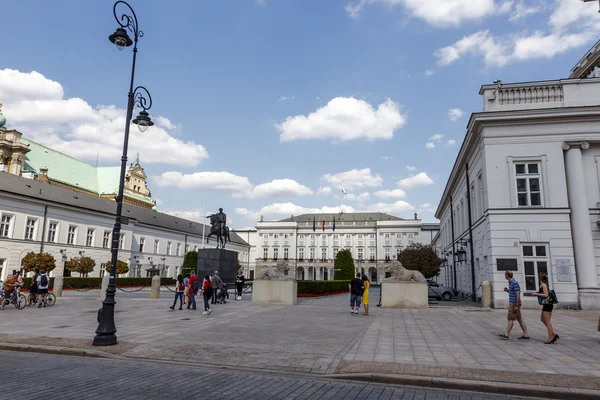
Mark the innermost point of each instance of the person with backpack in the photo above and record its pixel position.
(193, 290)
(33, 288)
(207, 292)
(545, 301)
(179, 289)
(42, 288)
(239, 284)
(217, 284)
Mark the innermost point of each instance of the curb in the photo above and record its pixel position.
(65, 351)
(475, 386)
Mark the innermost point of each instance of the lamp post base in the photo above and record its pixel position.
(105, 334)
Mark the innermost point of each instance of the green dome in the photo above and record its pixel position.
(2, 120)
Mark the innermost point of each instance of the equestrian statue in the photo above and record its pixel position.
(219, 228)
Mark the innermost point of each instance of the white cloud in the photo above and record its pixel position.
(397, 207)
(355, 178)
(324, 190)
(361, 198)
(277, 188)
(284, 210)
(523, 10)
(36, 106)
(450, 142)
(437, 137)
(204, 180)
(426, 207)
(286, 98)
(390, 194)
(411, 168)
(430, 145)
(192, 215)
(421, 179)
(344, 119)
(429, 72)
(164, 122)
(387, 157)
(261, 3)
(455, 114)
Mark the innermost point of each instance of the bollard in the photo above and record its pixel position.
(155, 290)
(104, 286)
(486, 294)
(58, 286)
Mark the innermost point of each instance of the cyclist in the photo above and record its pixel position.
(33, 288)
(42, 287)
(9, 288)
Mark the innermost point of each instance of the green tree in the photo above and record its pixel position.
(190, 262)
(122, 267)
(239, 266)
(32, 260)
(344, 265)
(422, 258)
(82, 265)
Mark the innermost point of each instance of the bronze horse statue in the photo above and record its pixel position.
(215, 230)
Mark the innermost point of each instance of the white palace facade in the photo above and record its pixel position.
(524, 192)
(373, 238)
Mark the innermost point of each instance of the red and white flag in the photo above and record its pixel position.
(343, 191)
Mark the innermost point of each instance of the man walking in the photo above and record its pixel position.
(356, 287)
(42, 287)
(514, 307)
(218, 283)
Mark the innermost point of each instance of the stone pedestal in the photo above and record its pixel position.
(402, 294)
(57, 289)
(274, 292)
(486, 294)
(155, 288)
(222, 260)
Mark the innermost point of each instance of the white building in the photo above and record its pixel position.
(309, 242)
(524, 193)
(248, 260)
(40, 217)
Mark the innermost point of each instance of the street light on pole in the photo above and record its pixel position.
(105, 333)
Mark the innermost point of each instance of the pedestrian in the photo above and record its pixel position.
(186, 291)
(179, 289)
(514, 307)
(356, 287)
(193, 290)
(239, 284)
(207, 289)
(543, 296)
(42, 291)
(365, 294)
(218, 284)
(19, 277)
(33, 288)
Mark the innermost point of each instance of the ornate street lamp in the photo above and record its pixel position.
(106, 331)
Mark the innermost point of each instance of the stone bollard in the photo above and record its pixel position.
(104, 286)
(155, 290)
(486, 294)
(58, 286)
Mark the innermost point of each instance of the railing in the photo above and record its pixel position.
(531, 94)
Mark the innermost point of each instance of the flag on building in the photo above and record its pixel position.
(323, 224)
(334, 223)
(343, 191)
(314, 224)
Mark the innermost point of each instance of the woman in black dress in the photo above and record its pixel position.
(544, 295)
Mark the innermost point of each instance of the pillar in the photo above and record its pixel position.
(486, 294)
(57, 289)
(155, 289)
(581, 231)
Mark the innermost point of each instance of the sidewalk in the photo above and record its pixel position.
(321, 336)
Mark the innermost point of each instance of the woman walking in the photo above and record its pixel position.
(179, 289)
(543, 294)
(239, 284)
(365, 295)
(207, 291)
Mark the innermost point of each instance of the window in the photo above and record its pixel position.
(2, 261)
(52, 231)
(275, 236)
(89, 237)
(178, 249)
(286, 236)
(372, 253)
(348, 236)
(535, 261)
(359, 236)
(411, 235)
(398, 236)
(168, 248)
(324, 235)
(324, 253)
(275, 252)
(106, 239)
(372, 236)
(387, 251)
(266, 235)
(156, 246)
(122, 241)
(71, 234)
(312, 253)
(5, 225)
(143, 242)
(529, 192)
(387, 236)
(286, 253)
(360, 253)
(301, 236)
(335, 251)
(30, 228)
(336, 236)
(301, 252)
(265, 252)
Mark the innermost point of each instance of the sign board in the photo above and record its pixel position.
(506, 264)
(563, 270)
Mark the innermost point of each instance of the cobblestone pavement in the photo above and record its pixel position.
(89, 378)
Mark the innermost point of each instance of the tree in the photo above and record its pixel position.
(344, 265)
(82, 265)
(239, 266)
(32, 260)
(190, 262)
(122, 267)
(419, 257)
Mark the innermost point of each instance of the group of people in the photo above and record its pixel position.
(38, 290)
(212, 288)
(359, 292)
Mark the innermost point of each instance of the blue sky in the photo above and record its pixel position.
(272, 107)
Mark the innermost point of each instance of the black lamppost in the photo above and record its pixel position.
(105, 333)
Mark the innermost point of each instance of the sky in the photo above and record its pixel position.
(272, 107)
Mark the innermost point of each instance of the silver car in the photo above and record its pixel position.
(440, 292)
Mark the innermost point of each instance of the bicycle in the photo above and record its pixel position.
(16, 298)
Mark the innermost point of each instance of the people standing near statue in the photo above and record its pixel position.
(514, 307)
(365, 294)
(193, 290)
(356, 287)
(239, 284)
(186, 290)
(179, 289)
(218, 284)
(207, 289)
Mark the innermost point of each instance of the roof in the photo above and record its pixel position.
(430, 227)
(55, 194)
(374, 216)
(587, 63)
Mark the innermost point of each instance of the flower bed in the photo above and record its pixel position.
(321, 294)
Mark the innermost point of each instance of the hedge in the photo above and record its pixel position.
(322, 287)
(83, 283)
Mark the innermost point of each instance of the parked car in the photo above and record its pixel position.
(440, 292)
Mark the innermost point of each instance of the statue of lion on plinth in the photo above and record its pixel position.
(277, 272)
(399, 273)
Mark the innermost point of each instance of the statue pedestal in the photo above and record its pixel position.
(222, 260)
(404, 294)
(274, 292)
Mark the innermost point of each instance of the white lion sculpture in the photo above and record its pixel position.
(399, 273)
(276, 272)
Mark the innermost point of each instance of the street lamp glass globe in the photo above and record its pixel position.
(121, 43)
(142, 126)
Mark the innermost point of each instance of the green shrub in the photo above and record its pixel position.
(190, 263)
(344, 265)
(321, 287)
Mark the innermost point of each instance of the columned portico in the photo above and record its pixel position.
(583, 244)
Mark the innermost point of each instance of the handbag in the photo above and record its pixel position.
(551, 299)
